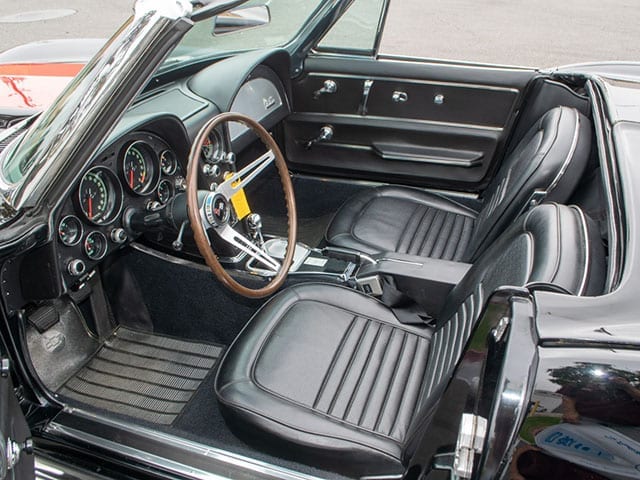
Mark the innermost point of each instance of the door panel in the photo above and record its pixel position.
(408, 122)
(390, 150)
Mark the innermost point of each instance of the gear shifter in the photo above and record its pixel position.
(254, 224)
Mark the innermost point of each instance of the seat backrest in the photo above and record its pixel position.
(547, 164)
(552, 245)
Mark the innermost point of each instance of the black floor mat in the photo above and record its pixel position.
(144, 376)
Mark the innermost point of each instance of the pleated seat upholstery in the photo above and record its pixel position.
(332, 374)
(546, 165)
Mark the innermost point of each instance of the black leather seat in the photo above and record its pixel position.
(549, 160)
(333, 375)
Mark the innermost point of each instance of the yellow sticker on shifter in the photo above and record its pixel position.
(239, 202)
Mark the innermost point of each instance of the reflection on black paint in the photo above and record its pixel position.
(586, 428)
(599, 392)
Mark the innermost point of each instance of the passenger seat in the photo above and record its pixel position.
(545, 166)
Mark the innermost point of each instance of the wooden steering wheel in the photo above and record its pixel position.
(213, 211)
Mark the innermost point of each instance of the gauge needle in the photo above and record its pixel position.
(131, 178)
(90, 207)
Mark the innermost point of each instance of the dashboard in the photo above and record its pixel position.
(143, 167)
(139, 172)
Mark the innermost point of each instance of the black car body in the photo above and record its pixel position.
(107, 299)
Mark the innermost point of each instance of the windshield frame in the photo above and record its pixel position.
(89, 108)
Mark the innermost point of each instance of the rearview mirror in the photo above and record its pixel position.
(241, 19)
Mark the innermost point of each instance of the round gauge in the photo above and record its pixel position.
(95, 245)
(70, 230)
(138, 167)
(212, 148)
(168, 162)
(100, 196)
(165, 191)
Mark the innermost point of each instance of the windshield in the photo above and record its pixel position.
(286, 19)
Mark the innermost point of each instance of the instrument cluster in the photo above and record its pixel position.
(139, 172)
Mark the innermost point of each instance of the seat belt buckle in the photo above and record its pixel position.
(371, 285)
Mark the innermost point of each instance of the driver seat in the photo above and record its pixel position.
(332, 376)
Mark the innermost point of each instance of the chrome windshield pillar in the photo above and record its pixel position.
(73, 128)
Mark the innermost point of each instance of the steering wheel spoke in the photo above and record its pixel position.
(238, 240)
(245, 176)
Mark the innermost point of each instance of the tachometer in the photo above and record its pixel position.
(100, 196)
(138, 167)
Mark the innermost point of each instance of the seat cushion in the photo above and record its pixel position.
(330, 372)
(404, 220)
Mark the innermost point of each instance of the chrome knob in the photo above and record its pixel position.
(181, 184)
(211, 170)
(76, 267)
(118, 235)
(328, 87)
(254, 221)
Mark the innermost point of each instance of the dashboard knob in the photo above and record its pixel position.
(230, 158)
(181, 184)
(118, 235)
(153, 205)
(211, 170)
(76, 267)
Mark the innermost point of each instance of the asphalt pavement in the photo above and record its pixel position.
(524, 32)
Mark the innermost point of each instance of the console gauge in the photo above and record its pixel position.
(168, 162)
(100, 196)
(70, 230)
(138, 167)
(165, 191)
(95, 245)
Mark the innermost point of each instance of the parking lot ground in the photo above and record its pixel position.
(524, 32)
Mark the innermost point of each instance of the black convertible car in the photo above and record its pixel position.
(242, 244)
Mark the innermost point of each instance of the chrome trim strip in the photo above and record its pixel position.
(370, 183)
(574, 144)
(606, 152)
(215, 454)
(397, 260)
(389, 57)
(476, 86)
(587, 257)
(369, 118)
(168, 258)
(159, 462)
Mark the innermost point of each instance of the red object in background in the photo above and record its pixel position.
(34, 86)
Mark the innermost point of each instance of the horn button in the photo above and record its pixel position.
(217, 210)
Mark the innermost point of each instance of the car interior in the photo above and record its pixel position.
(420, 189)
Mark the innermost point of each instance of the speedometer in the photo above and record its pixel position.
(100, 196)
(139, 168)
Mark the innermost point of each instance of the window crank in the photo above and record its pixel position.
(330, 86)
(326, 133)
